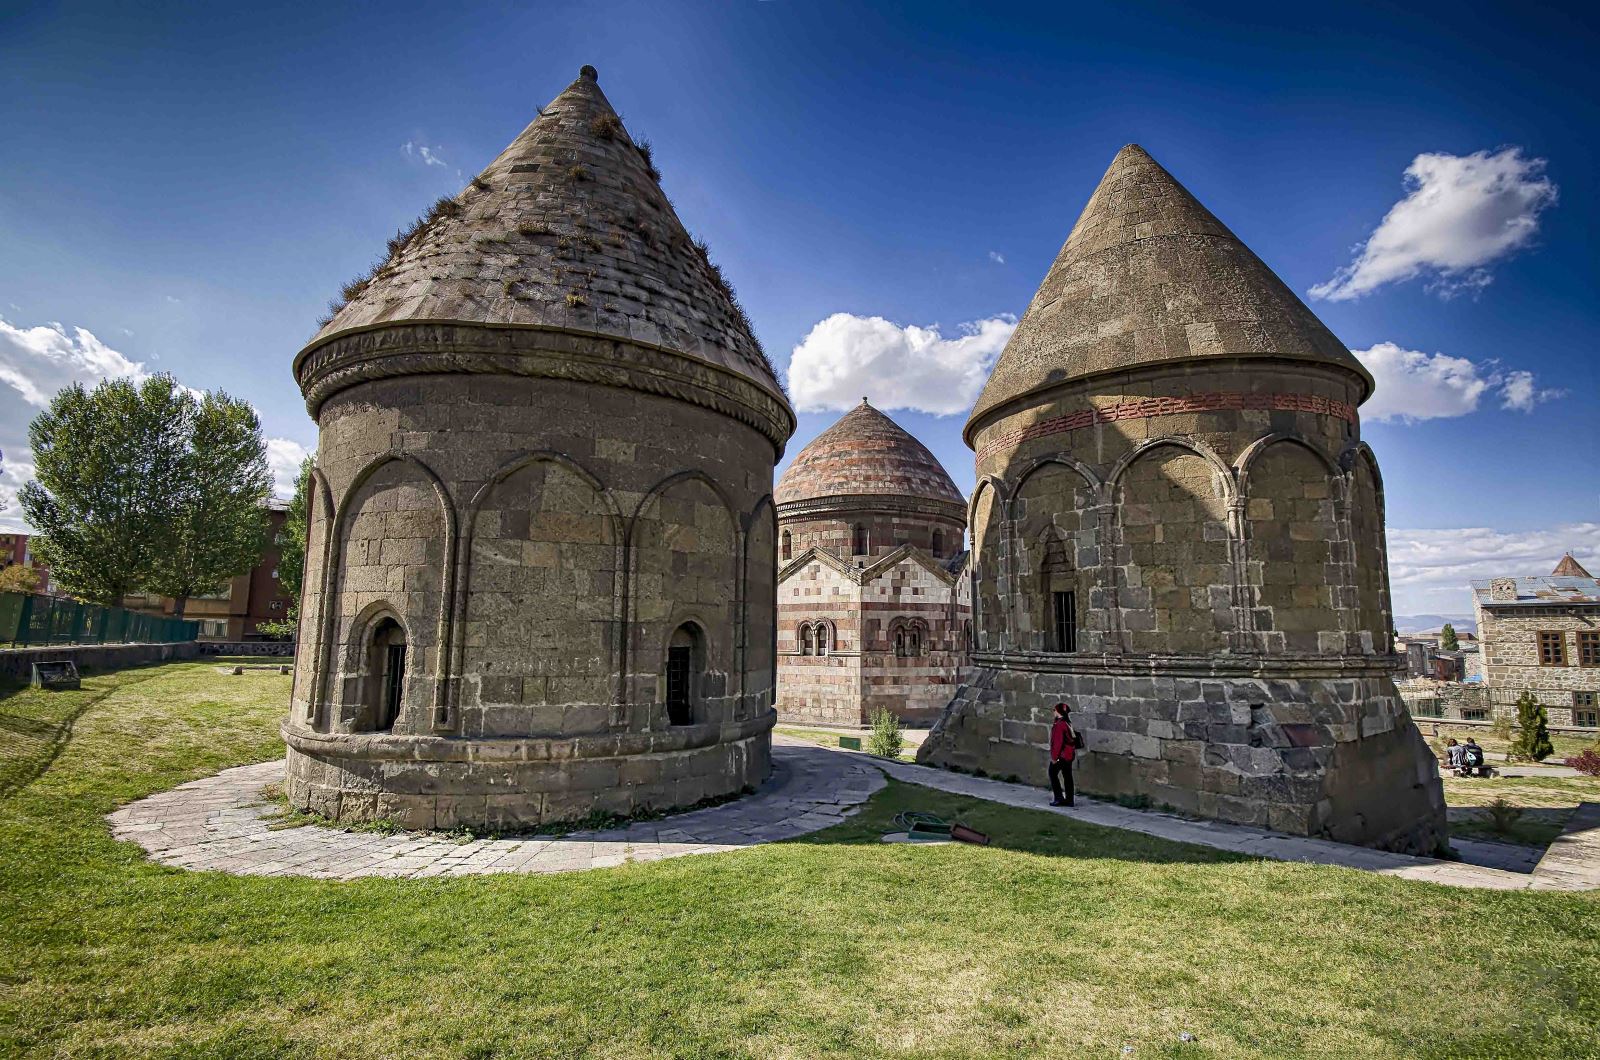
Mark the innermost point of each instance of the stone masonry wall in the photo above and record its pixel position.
(1235, 659)
(539, 540)
(1509, 639)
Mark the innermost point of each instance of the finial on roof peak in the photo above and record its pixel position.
(863, 399)
(591, 73)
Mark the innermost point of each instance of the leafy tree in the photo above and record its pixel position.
(18, 579)
(1447, 638)
(292, 538)
(1532, 740)
(215, 524)
(291, 542)
(106, 461)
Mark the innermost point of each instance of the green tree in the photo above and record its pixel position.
(291, 542)
(106, 460)
(1531, 743)
(1447, 638)
(18, 579)
(215, 524)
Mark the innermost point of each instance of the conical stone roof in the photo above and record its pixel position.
(1569, 568)
(866, 454)
(1149, 276)
(566, 229)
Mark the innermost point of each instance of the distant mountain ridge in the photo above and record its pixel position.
(1429, 623)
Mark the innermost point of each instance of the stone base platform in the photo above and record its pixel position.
(224, 824)
(507, 784)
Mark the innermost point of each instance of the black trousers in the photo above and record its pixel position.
(1061, 780)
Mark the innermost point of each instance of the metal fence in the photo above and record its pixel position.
(27, 620)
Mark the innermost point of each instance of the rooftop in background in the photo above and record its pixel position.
(1569, 583)
(866, 454)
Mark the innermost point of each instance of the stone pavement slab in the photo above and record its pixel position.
(223, 824)
(1576, 866)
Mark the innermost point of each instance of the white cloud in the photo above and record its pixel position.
(1414, 386)
(1519, 392)
(846, 357)
(36, 362)
(15, 469)
(284, 456)
(1460, 214)
(429, 155)
(997, 257)
(1430, 570)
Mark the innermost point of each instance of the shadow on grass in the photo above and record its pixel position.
(1012, 829)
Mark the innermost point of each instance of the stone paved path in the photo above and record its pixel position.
(1579, 869)
(221, 823)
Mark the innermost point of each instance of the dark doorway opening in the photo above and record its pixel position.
(386, 676)
(683, 662)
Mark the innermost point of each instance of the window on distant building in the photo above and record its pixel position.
(788, 544)
(1552, 649)
(1586, 709)
(858, 540)
(1589, 649)
(1474, 714)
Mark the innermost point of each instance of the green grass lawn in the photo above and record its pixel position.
(1545, 802)
(1060, 940)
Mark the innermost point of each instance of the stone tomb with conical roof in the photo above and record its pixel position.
(1178, 530)
(873, 607)
(540, 573)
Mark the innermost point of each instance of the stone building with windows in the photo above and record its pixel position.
(542, 544)
(1178, 529)
(1542, 635)
(873, 602)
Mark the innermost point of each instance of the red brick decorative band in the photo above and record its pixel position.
(1145, 408)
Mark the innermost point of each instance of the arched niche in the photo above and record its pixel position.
(1175, 571)
(1365, 487)
(1055, 559)
(988, 546)
(684, 559)
(393, 537)
(1292, 535)
(313, 593)
(760, 610)
(540, 602)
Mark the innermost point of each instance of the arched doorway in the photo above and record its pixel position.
(386, 675)
(685, 655)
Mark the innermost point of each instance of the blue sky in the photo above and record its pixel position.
(185, 187)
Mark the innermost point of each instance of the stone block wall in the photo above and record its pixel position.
(1225, 527)
(540, 541)
(1508, 638)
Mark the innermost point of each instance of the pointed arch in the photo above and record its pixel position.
(685, 553)
(1174, 548)
(1294, 545)
(1224, 473)
(434, 670)
(313, 600)
(987, 564)
(540, 560)
(758, 620)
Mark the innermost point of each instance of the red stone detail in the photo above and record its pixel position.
(1147, 408)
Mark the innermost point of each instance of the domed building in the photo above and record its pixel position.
(873, 603)
(540, 571)
(1178, 530)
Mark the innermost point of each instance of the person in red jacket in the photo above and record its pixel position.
(1063, 748)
